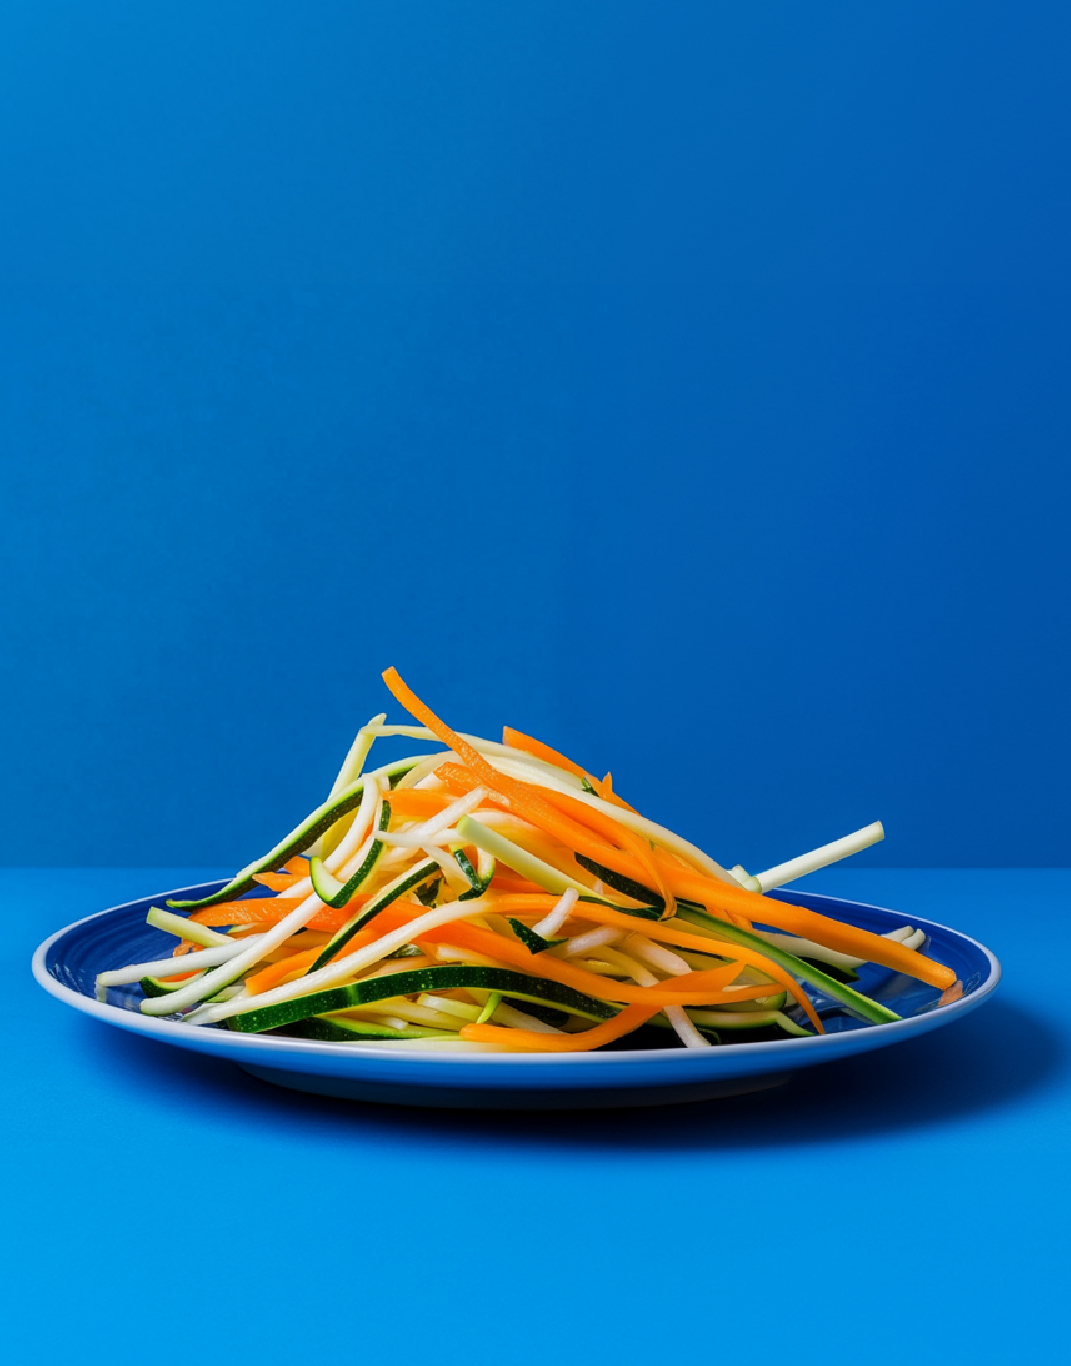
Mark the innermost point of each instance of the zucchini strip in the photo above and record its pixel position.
(300, 838)
(528, 866)
(361, 1031)
(169, 967)
(855, 1001)
(339, 969)
(329, 889)
(516, 985)
(185, 929)
(251, 952)
(620, 883)
(404, 882)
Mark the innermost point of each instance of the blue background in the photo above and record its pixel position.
(685, 384)
(910, 1205)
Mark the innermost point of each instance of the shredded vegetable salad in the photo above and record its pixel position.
(498, 897)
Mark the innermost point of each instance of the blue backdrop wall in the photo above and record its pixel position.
(685, 384)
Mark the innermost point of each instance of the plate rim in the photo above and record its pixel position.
(293, 1050)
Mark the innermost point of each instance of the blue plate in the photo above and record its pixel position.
(66, 965)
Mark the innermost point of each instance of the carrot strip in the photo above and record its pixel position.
(522, 798)
(517, 739)
(604, 915)
(782, 915)
(624, 838)
(605, 790)
(528, 1041)
(256, 911)
(294, 965)
(390, 918)
(409, 804)
(506, 881)
(277, 882)
(264, 910)
(697, 988)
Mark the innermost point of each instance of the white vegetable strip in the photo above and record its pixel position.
(425, 769)
(643, 977)
(621, 962)
(686, 1031)
(665, 961)
(223, 976)
(491, 748)
(445, 1005)
(591, 939)
(341, 969)
(520, 860)
(450, 866)
(655, 955)
(558, 915)
(189, 930)
(817, 858)
(355, 837)
(807, 948)
(358, 753)
(516, 1019)
(265, 860)
(450, 953)
(437, 827)
(631, 819)
(170, 967)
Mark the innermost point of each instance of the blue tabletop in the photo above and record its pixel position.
(908, 1205)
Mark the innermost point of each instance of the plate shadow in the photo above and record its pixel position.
(993, 1058)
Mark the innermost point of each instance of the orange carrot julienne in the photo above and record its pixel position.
(517, 739)
(277, 882)
(265, 910)
(278, 973)
(666, 934)
(605, 790)
(523, 799)
(822, 929)
(528, 1041)
(411, 804)
(697, 988)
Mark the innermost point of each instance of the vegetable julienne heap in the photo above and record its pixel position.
(496, 897)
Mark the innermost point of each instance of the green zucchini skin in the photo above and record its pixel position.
(518, 985)
(357, 1031)
(833, 970)
(628, 886)
(153, 986)
(356, 922)
(310, 830)
(477, 884)
(839, 991)
(336, 900)
(428, 892)
(534, 943)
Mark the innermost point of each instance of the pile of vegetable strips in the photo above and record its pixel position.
(497, 897)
